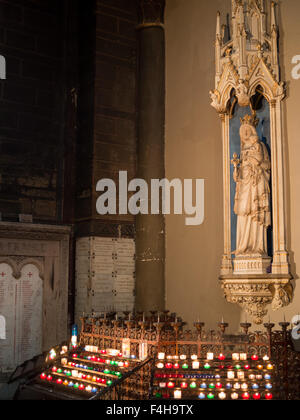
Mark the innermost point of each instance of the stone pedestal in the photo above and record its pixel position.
(251, 265)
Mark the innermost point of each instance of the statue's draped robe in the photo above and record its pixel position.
(252, 200)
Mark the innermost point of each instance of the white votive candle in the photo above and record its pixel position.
(196, 365)
(177, 394)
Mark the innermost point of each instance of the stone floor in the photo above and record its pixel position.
(7, 392)
(4, 378)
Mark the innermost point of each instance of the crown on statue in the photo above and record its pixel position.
(250, 120)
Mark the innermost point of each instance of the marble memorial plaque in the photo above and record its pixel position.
(83, 247)
(111, 269)
(2, 328)
(7, 302)
(21, 303)
(83, 265)
(30, 298)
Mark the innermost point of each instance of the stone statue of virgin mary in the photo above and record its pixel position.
(252, 200)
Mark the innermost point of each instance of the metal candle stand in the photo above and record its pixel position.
(162, 332)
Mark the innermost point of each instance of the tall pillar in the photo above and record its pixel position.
(150, 229)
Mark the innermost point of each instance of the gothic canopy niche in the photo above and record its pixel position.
(248, 97)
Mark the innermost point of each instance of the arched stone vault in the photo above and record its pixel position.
(17, 265)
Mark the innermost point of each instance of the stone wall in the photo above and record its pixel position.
(107, 140)
(31, 109)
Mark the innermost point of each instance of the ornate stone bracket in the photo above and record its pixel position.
(255, 293)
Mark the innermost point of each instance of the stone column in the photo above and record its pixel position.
(150, 229)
